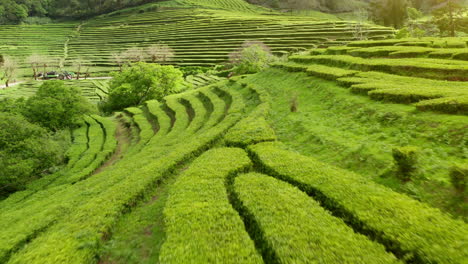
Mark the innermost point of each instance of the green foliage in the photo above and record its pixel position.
(414, 13)
(201, 225)
(254, 128)
(417, 67)
(403, 33)
(389, 12)
(82, 217)
(293, 228)
(26, 151)
(459, 177)
(450, 17)
(252, 57)
(449, 105)
(141, 82)
(406, 161)
(17, 11)
(12, 12)
(56, 106)
(361, 139)
(415, 231)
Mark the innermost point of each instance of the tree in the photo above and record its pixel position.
(362, 16)
(141, 82)
(160, 53)
(9, 68)
(26, 150)
(36, 61)
(118, 59)
(251, 57)
(450, 16)
(81, 66)
(389, 12)
(133, 55)
(56, 106)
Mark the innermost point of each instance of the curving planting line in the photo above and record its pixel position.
(414, 232)
(290, 227)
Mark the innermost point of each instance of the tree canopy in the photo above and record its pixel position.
(141, 82)
(17, 11)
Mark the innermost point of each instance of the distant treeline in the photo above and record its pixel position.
(37, 11)
(340, 5)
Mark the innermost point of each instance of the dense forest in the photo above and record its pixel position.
(40, 11)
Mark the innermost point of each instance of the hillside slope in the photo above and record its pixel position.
(202, 33)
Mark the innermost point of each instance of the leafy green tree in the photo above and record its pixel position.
(450, 16)
(389, 12)
(12, 12)
(26, 150)
(140, 82)
(56, 106)
(252, 57)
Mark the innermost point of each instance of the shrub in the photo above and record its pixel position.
(56, 106)
(459, 176)
(141, 82)
(26, 150)
(414, 231)
(252, 57)
(406, 159)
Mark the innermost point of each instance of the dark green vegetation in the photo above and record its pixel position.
(350, 153)
(34, 133)
(140, 83)
(41, 11)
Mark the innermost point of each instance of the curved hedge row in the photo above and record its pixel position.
(66, 225)
(296, 229)
(412, 230)
(201, 225)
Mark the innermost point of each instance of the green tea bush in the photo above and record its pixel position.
(410, 229)
(406, 160)
(450, 105)
(201, 225)
(459, 177)
(291, 227)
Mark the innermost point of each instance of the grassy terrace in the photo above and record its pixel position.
(393, 72)
(94, 90)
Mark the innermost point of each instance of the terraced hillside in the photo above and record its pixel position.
(210, 212)
(180, 24)
(342, 154)
(431, 75)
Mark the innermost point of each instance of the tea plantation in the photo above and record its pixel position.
(303, 162)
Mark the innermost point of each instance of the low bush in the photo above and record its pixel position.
(410, 229)
(201, 225)
(449, 105)
(459, 177)
(406, 161)
(293, 228)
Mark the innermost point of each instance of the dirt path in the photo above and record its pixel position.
(122, 134)
(3, 86)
